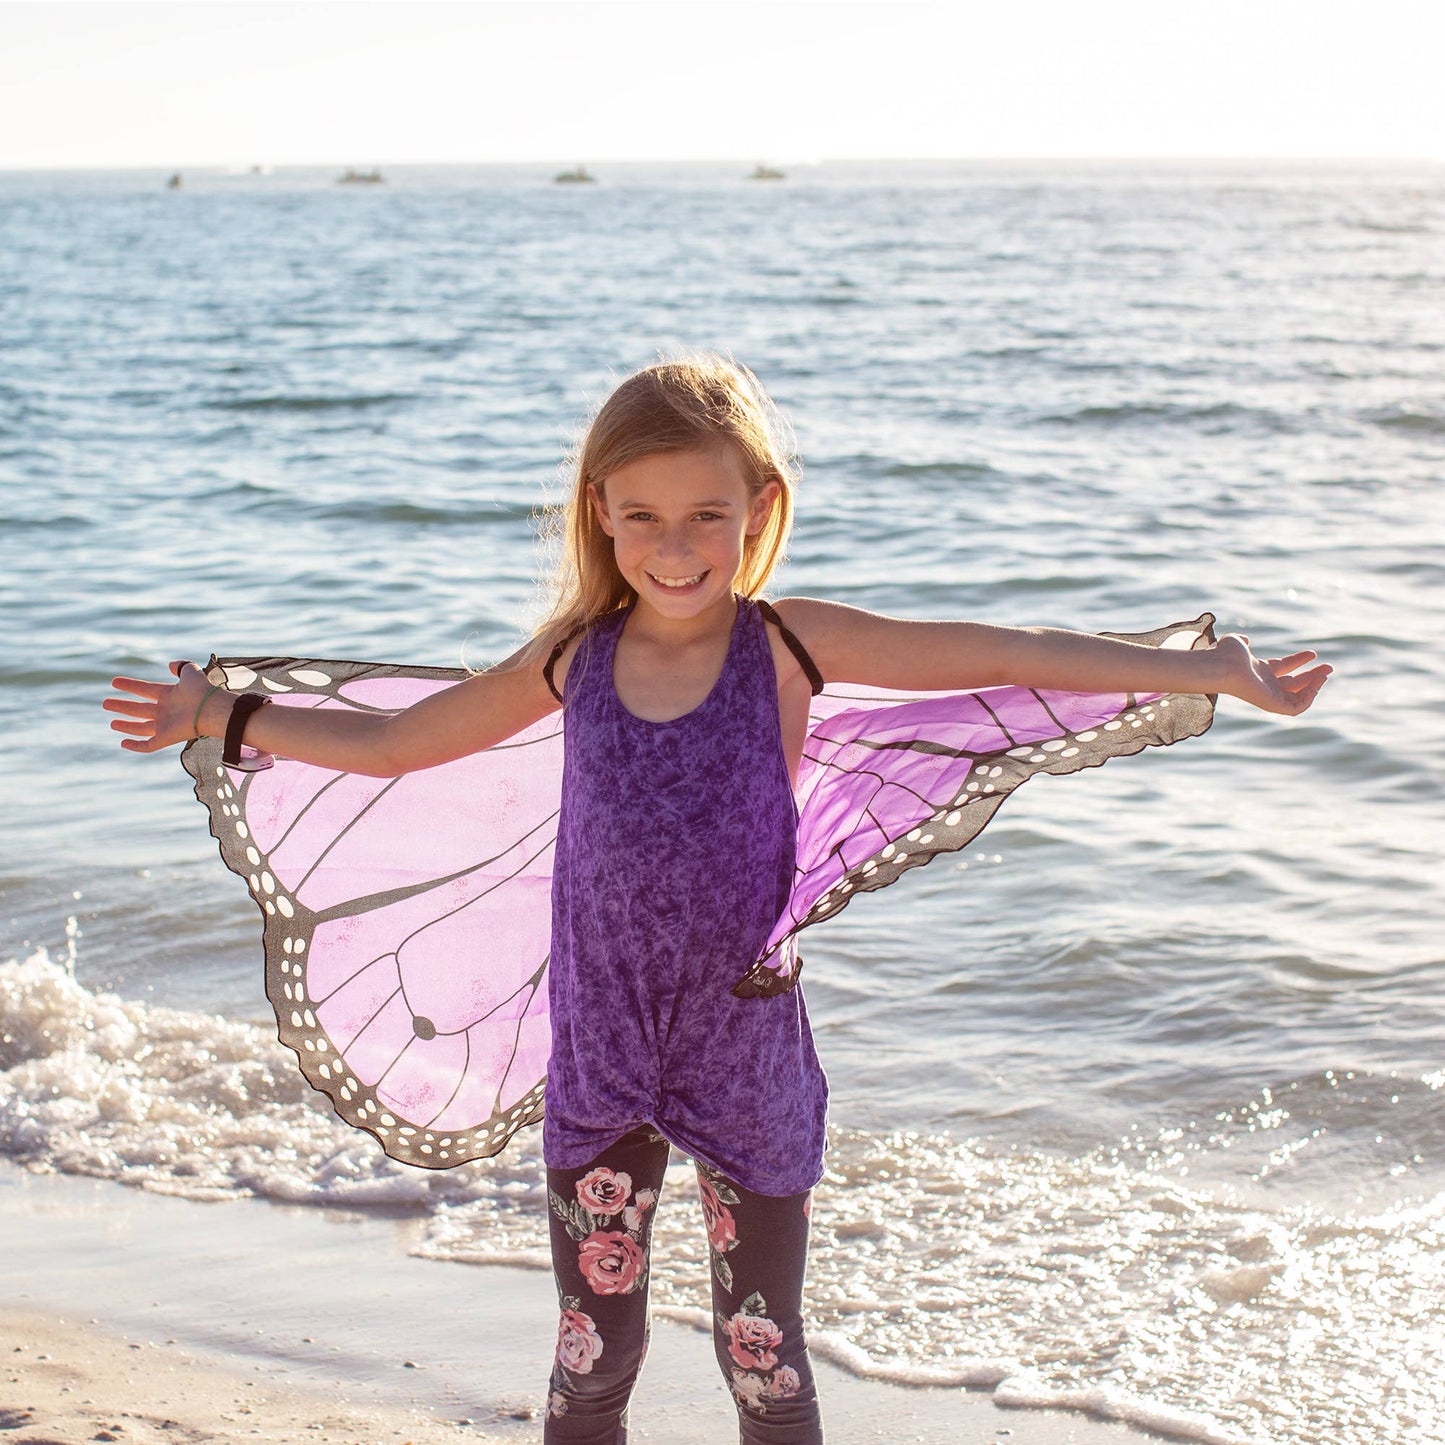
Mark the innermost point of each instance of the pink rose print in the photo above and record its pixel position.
(603, 1191)
(784, 1382)
(722, 1232)
(753, 1340)
(642, 1201)
(578, 1342)
(611, 1262)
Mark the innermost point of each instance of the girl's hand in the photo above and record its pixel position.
(1275, 683)
(159, 713)
(474, 714)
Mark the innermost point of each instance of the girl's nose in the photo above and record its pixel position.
(673, 542)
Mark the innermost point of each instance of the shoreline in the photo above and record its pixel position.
(284, 1324)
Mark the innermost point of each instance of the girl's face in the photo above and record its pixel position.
(678, 521)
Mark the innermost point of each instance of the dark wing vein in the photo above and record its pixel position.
(374, 901)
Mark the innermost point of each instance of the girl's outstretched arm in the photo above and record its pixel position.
(463, 719)
(851, 645)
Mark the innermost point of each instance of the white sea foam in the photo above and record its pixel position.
(1028, 1392)
(180, 1103)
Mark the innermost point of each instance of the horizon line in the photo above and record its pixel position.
(7, 167)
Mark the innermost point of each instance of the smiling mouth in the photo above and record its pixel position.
(677, 583)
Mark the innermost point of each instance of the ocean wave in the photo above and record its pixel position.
(56, 522)
(1392, 228)
(1213, 416)
(934, 471)
(359, 401)
(235, 495)
(53, 675)
(378, 511)
(443, 347)
(1013, 353)
(423, 514)
(1406, 419)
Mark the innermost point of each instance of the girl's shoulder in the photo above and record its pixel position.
(560, 656)
(792, 655)
(851, 644)
(822, 629)
(802, 615)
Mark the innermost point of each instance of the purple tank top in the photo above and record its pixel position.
(675, 854)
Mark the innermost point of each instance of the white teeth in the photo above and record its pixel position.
(677, 581)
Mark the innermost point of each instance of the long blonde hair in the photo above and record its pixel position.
(694, 403)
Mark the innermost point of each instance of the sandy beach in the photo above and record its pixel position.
(68, 1383)
(127, 1316)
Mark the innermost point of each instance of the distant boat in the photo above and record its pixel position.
(765, 173)
(175, 182)
(581, 175)
(352, 177)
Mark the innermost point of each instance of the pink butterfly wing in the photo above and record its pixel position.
(890, 780)
(406, 919)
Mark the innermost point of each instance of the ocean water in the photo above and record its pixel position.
(1136, 1103)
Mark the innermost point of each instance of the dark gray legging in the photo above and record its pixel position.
(601, 1219)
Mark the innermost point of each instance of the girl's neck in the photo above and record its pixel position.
(649, 624)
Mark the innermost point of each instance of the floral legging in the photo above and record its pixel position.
(601, 1220)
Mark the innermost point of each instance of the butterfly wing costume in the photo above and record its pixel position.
(407, 920)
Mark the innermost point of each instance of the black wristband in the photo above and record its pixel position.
(241, 710)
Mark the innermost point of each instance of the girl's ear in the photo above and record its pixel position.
(597, 498)
(760, 508)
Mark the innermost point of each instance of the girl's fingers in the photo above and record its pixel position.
(153, 715)
(1300, 692)
(1315, 678)
(140, 686)
(137, 708)
(1288, 664)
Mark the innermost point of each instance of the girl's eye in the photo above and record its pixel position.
(649, 517)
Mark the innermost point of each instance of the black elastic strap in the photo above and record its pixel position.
(241, 711)
(810, 668)
(551, 663)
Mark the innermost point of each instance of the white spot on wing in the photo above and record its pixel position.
(1181, 641)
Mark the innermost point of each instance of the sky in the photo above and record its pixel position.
(234, 82)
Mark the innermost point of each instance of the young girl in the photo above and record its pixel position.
(686, 703)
